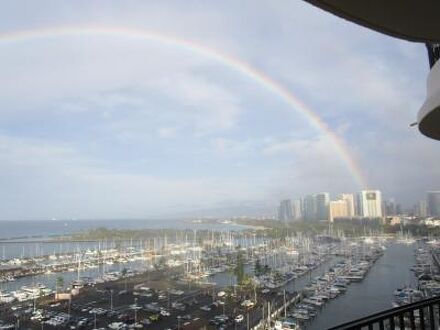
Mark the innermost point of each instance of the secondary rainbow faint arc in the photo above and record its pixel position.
(230, 61)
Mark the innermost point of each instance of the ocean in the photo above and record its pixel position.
(47, 228)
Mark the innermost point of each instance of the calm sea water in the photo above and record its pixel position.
(37, 228)
(49, 280)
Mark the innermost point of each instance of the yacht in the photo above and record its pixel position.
(6, 298)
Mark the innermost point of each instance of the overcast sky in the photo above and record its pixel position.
(110, 127)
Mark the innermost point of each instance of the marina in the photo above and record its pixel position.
(376, 290)
(294, 282)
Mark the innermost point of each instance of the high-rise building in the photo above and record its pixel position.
(338, 209)
(398, 209)
(285, 211)
(309, 208)
(370, 203)
(322, 206)
(433, 201)
(349, 200)
(297, 212)
(389, 208)
(342, 208)
(422, 209)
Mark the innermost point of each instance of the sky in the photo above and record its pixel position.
(112, 126)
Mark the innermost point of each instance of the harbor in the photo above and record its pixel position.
(375, 291)
(221, 280)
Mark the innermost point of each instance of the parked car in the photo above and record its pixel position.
(239, 318)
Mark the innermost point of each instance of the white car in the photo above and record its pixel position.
(239, 318)
(116, 325)
(163, 312)
(36, 316)
(247, 303)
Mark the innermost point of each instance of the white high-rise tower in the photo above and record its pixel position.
(370, 203)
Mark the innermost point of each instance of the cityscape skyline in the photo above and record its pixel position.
(365, 203)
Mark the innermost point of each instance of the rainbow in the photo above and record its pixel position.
(234, 63)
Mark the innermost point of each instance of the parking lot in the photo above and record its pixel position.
(152, 301)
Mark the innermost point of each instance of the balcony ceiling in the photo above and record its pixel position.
(414, 20)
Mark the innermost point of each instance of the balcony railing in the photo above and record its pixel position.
(420, 315)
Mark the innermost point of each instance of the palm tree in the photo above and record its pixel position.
(239, 268)
(59, 283)
(124, 275)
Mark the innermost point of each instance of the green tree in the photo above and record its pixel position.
(59, 284)
(124, 272)
(249, 287)
(239, 268)
(258, 270)
(229, 300)
(266, 269)
(160, 264)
